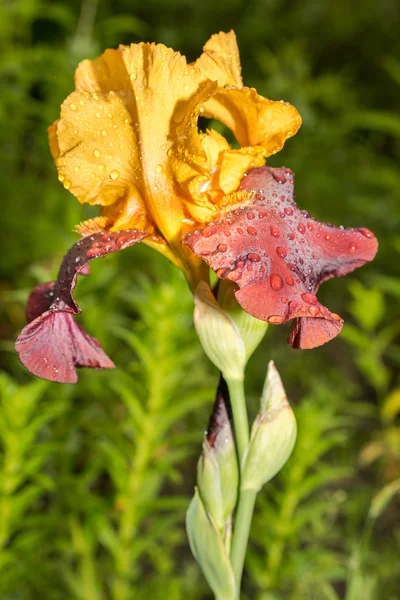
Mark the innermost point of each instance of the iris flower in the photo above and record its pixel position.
(128, 140)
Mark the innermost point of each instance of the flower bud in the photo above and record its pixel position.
(218, 334)
(252, 330)
(208, 548)
(272, 436)
(217, 470)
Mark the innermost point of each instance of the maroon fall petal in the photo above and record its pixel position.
(278, 256)
(53, 344)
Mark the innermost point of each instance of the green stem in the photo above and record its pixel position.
(247, 498)
(240, 420)
(244, 516)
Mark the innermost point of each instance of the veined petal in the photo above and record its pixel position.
(254, 120)
(279, 256)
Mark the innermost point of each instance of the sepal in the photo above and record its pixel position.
(217, 469)
(273, 435)
(208, 548)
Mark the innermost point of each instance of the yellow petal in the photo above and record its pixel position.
(96, 146)
(234, 165)
(102, 75)
(220, 60)
(254, 120)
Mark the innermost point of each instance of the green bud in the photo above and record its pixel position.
(217, 469)
(272, 436)
(251, 330)
(208, 548)
(218, 334)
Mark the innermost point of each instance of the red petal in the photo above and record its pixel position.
(278, 256)
(52, 345)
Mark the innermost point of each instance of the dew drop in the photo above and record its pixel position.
(292, 304)
(93, 252)
(281, 252)
(76, 169)
(313, 310)
(274, 231)
(239, 230)
(209, 231)
(288, 211)
(121, 241)
(276, 320)
(252, 231)
(104, 132)
(96, 153)
(366, 232)
(254, 257)
(284, 300)
(276, 282)
(73, 107)
(352, 248)
(309, 299)
(250, 215)
(240, 264)
(262, 214)
(279, 177)
(289, 281)
(234, 275)
(222, 247)
(158, 169)
(114, 175)
(291, 236)
(67, 184)
(301, 228)
(310, 226)
(100, 167)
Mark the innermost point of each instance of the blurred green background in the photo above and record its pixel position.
(95, 478)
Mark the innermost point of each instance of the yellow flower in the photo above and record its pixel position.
(127, 139)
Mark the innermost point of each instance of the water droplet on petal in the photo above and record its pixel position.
(276, 320)
(289, 281)
(114, 175)
(313, 310)
(281, 252)
(209, 231)
(276, 282)
(254, 257)
(96, 153)
(121, 241)
(367, 233)
(327, 236)
(279, 177)
(275, 232)
(158, 169)
(252, 231)
(250, 215)
(222, 247)
(73, 107)
(293, 304)
(104, 132)
(301, 228)
(352, 248)
(310, 299)
(288, 211)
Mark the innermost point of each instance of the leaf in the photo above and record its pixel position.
(383, 497)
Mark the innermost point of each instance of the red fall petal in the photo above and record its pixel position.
(279, 256)
(53, 344)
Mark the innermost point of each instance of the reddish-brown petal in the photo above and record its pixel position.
(279, 256)
(53, 344)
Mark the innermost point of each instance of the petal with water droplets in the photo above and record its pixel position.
(53, 344)
(279, 256)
